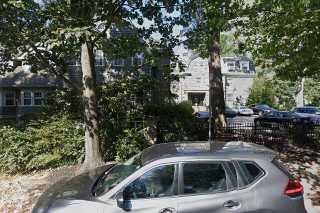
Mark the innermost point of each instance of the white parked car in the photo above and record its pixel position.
(243, 110)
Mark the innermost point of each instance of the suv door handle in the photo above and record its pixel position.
(231, 204)
(168, 210)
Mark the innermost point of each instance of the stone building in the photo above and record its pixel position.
(238, 74)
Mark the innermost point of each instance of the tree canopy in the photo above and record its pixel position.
(48, 32)
(285, 35)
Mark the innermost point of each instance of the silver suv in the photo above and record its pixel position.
(183, 178)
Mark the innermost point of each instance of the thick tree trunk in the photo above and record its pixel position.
(93, 157)
(216, 93)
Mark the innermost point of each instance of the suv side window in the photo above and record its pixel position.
(158, 182)
(204, 178)
(251, 170)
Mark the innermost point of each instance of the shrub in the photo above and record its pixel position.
(130, 143)
(42, 144)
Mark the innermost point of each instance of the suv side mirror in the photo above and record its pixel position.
(124, 199)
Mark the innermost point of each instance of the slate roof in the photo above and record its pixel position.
(23, 78)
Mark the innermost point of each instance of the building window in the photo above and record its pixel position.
(10, 99)
(118, 62)
(99, 58)
(73, 62)
(139, 61)
(231, 66)
(244, 66)
(38, 98)
(27, 98)
(196, 99)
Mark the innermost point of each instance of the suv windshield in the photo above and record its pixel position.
(117, 174)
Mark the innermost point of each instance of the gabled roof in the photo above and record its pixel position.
(24, 78)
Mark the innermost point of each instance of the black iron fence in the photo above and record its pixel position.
(271, 133)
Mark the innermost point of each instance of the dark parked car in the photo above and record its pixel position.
(278, 116)
(260, 109)
(183, 177)
(307, 110)
(229, 112)
(313, 113)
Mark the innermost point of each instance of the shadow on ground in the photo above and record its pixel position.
(304, 162)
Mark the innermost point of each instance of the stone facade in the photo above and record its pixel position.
(238, 74)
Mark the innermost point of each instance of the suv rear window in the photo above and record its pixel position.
(251, 170)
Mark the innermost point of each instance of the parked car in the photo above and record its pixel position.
(243, 110)
(260, 109)
(307, 110)
(183, 177)
(313, 113)
(229, 112)
(279, 116)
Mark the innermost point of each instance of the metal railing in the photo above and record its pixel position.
(271, 133)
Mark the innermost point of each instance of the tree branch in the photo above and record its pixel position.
(53, 69)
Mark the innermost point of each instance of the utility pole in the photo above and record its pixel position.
(210, 138)
(300, 93)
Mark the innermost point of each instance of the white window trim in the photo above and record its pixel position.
(23, 97)
(34, 98)
(233, 67)
(246, 63)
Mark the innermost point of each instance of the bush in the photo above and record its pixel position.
(130, 143)
(43, 144)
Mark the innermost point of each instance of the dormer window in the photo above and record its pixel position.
(244, 66)
(231, 66)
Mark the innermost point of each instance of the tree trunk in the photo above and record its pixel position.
(216, 93)
(93, 157)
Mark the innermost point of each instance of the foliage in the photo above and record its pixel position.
(272, 91)
(285, 92)
(64, 100)
(312, 91)
(43, 144)
(262, 92)
(208, 18)
(174, 120)
(122, 104)
(229, 45)
(284, 35)
(130, 143)
(127, 107)
(47, 33)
